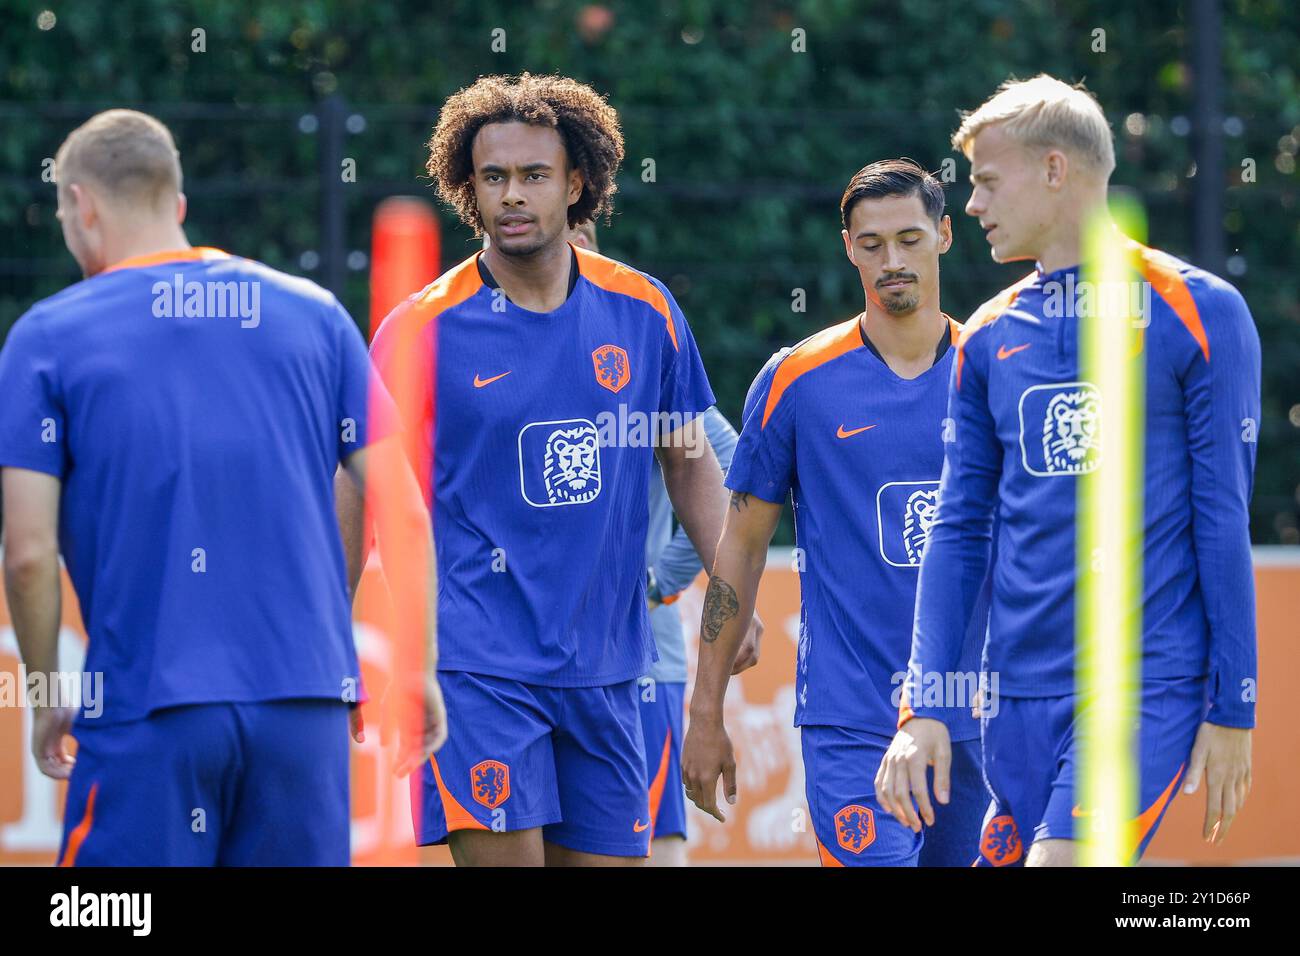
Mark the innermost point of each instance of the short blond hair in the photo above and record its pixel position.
(129, 154)
(1045, 112)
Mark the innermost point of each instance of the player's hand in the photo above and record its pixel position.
(923, 742)
(706, 755)
(747, 656)
(356, 724)
(50, 727)
(1222, 756)
(421, 718)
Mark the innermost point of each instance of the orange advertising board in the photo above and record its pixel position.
(769, 824)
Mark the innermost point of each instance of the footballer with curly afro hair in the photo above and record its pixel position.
(587, 126)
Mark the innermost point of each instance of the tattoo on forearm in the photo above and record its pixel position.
(720, 606)
(739, 499)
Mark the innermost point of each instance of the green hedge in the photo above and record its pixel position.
(752, 141)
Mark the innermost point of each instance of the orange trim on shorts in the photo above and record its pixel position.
(824, 854)
(661, 778)
(458, 818)
(825, 346)
(1147, 821)
(169, 255)
(613, 276)
(78, 836)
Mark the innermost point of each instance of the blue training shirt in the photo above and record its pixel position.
(536, 439)
(195, 407)
(859, 450)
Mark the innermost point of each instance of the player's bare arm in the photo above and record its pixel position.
(694, 481)
(31, 564)
(728, 605)
(350, 508)
(402, 532)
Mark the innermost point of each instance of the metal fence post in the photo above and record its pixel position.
(333, 219)
(1207, 131)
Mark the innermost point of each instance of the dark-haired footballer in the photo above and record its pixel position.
(849, 424)
(544, 371)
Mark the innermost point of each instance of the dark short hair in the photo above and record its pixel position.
(893, 177)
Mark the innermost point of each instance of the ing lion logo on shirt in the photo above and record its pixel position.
(855, 828)
(490, 783)
(612, 369)
(571, 468)
(917, 519)
(1000, 844)
(1072, 432)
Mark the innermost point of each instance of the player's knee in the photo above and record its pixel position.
(557, 855)
(1051, 853)
(668, 851)
(489, 848)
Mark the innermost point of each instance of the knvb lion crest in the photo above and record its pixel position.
(1061, 429)
(490, 783)
(855, 828)
(559, 462)
(917, 519)
(905, 512)
(1000, 844)
(612, 368)
(1072, 432)
(571, 469)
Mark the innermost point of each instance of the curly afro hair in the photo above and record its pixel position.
(587, 124)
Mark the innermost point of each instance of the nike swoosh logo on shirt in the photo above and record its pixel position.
(640, 827)
(1006, 353)
(480, 382)
(851, 432)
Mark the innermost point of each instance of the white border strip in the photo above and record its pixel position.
(1276, 555)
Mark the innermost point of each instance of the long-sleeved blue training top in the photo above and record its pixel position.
(1026, 426)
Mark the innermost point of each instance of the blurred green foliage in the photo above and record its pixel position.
(752, 141)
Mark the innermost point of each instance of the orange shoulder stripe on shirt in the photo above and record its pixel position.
(78, 836)
(986, 314)
(954, 327)
(1162, 271)
(447, 291)
(613, 276)
(169, 255)
(413, 314)
(826, 345)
